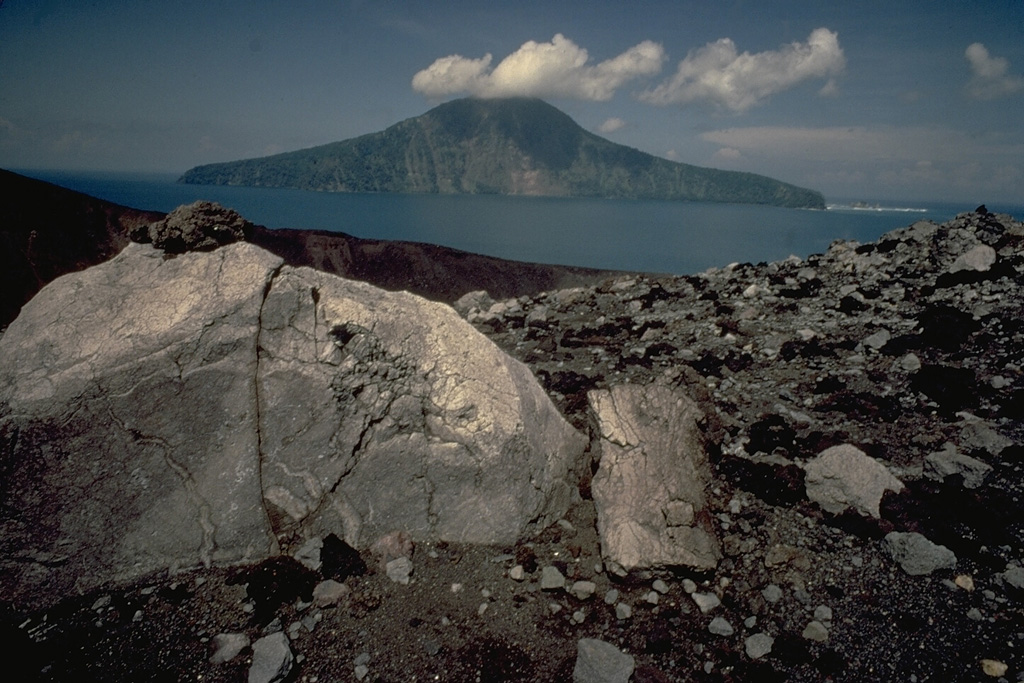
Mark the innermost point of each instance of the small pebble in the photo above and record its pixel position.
(772, 593)
(623, 611)
(823, 613)
(517, 573)
(994, 668)
(720, 627)
(551, 579)
(816, 631)
(974, 614)
(611, 597)
(652, 597)
(579, 616)
(660, 586)
(689, 586)
(758, 645)
(750, 622)
(965, 581)
(706, 601)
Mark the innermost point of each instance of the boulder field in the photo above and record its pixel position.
(805, 470)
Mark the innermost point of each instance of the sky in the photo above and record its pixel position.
(862, 100)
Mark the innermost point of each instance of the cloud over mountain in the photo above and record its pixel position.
(718, 73)
(559, 68)
(991, 78)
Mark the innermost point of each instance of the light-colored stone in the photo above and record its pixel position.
(551, 579)
(399, 570)
(815, 631)
(186, 411)
(601, 662)
(917, 555)
(994, 668)
(583, 590)
(706, 601)
(227, 646)
(329, 593)
(949, 461)
(652, 474)
(758, 645)
(719, 626)
(979, 258)
(272, 659)
(845, 477)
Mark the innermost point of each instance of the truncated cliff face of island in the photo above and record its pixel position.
(515, 146)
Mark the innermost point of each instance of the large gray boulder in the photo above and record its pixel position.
(649, 489)
(216, 407)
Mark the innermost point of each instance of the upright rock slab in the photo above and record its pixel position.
(169, 412)
(649, 489)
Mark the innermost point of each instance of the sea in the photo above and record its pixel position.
(616, 234)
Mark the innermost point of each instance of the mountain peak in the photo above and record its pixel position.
(515, 145)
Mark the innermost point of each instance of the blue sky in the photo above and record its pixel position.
(875, 100)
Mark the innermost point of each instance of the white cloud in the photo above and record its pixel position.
(611, 125)
(717, 73)
(556, 69)
(991, 77)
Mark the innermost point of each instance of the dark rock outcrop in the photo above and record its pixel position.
(47, 231)
(200, 226)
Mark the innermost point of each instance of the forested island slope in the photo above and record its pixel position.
(516, 146)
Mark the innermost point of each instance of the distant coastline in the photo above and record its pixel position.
(864, 206)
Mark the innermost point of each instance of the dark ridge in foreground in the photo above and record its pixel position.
(516, 146)
(47, 231)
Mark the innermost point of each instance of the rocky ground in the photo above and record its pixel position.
(909, 349)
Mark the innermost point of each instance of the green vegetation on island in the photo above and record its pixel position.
(498, 146)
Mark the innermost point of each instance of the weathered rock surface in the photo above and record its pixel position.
(272, 659)
(601, 662)
(844, 477)
(917, 555)
(202, 409)
(649, 489)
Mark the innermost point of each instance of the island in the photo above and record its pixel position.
(509, 146)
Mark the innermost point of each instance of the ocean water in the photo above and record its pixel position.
(647, 236)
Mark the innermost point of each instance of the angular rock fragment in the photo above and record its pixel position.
(272, 659)
(949, 461)
(601, 662)
(917, 555)
(844, 477)
(649, 487)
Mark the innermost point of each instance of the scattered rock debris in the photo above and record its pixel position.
(908, 349)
